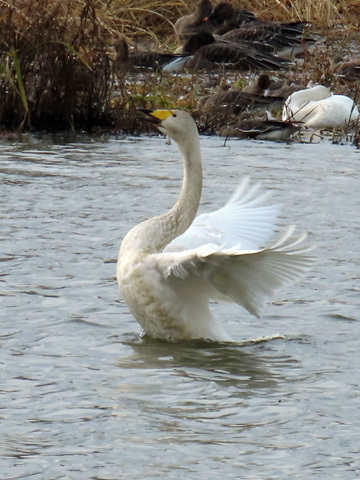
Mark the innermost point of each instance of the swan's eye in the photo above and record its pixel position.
(174, 114)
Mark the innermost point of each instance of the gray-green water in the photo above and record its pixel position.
(82, 397)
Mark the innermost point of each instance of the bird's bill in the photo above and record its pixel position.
(155, 116)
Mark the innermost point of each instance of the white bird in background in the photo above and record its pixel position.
(318, 109)
(170, 266)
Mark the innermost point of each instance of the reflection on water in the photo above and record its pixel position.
(82, 395)
(227, 364)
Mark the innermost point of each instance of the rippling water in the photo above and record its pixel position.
(83, 397)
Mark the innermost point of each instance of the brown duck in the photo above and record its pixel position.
(204, 52)
(286, 38)
(258, 129)
(270, 88)
(195, 22)
(125, 61)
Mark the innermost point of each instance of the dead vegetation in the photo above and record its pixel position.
(56, 58)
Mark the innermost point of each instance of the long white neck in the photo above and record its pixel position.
(153, 235)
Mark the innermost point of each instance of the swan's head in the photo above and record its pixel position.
(176, 124)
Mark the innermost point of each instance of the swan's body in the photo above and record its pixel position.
(317, 108)
(171, 265)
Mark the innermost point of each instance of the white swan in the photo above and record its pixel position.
(171, 265)
(317, 108)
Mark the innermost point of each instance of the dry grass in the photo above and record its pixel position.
(56, 57)
(56, 71)
(158, 17)
(324, 13)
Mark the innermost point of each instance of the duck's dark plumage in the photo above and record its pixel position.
(349, 70)
(226, 106)
(234, 101)
(279, 35)
(261, 130)
(195, 22)
(287, 39)
(267, 87)
(224, 18)
(124, 60)
(207, 53)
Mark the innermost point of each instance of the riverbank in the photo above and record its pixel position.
(57, 70)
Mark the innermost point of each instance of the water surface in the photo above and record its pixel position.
(83, 397)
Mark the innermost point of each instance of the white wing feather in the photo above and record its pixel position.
(246, 277)
(245, 221)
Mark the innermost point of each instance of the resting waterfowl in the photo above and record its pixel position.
(224, 17)
(279, 88)
(225, 105)
(125, 61)
(195, 22)
(317, 108)
(171, 265)
(286, 38)
(235, 101)
(274, 130)
(349, 71)
(206, 53)
(218, 19)
(277, 34)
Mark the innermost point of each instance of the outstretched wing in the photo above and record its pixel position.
(245, 221)
(248, 278)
